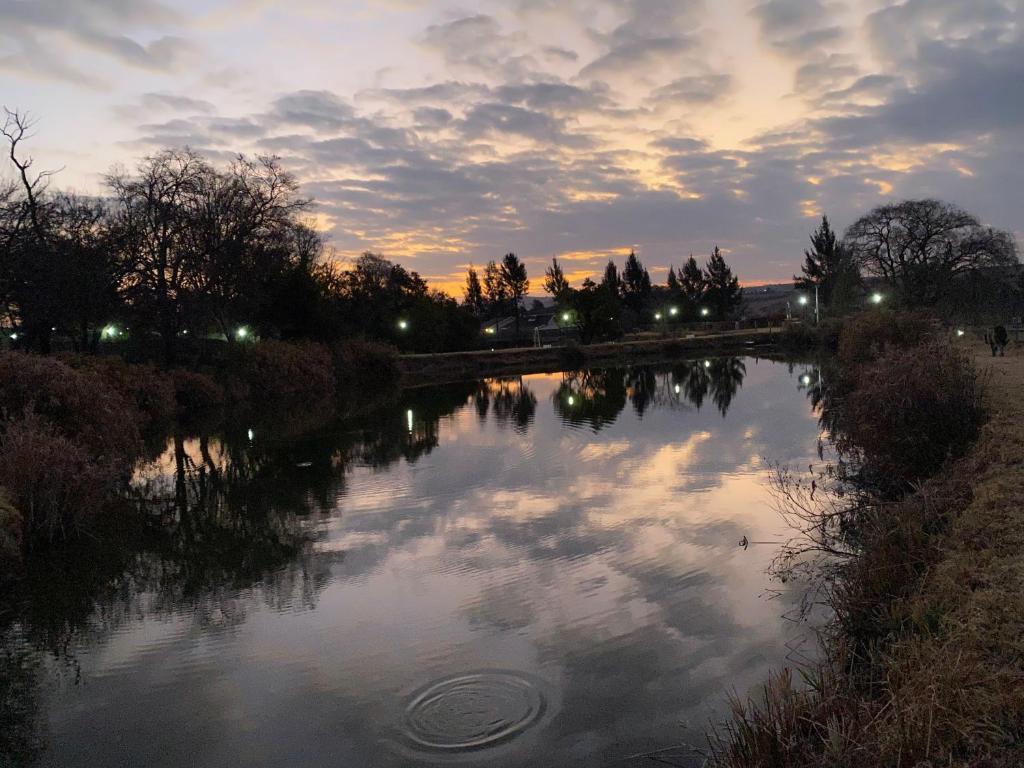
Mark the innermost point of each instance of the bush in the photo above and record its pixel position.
(866, 336)
(151, 391)
(79, 404)
(196, 394)
(276, 375)
(360, 364)
(56, 485)
(908, 412)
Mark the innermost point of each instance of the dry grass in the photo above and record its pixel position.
(925, 664)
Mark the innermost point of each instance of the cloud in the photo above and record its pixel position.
(696, 89)
(36, 31)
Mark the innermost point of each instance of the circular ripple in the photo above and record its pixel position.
(473, 711)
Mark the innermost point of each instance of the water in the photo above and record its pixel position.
(534, 572)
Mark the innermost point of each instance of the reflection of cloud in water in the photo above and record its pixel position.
(602, 560)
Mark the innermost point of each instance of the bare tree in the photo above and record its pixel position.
(151, 229)
(17, 128)
(920, 247)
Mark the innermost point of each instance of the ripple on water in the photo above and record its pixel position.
(473, 711)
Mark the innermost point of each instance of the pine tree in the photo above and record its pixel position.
(692, 284)
(723, 293)
(474, 293)
(554, 280)
(829, 267)
(516, 283)
(494, 288)
(611, 281)
(674, 289)
(636, 283)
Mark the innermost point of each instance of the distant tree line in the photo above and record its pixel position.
(177, 250)
(624, 301)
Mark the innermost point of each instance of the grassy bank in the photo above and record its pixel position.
(924, 663)
(458, 366)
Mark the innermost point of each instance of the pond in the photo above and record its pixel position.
(540, 571)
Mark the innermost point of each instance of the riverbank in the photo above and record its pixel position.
(421, 370)
(925, 665)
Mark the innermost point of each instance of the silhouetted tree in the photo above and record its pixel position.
(693, 284)
(636, 282)
(516, 282)
(596, 312)
(723, 293)
(611, 281)
(474, 293)
(675, 290)
(554, 280)
(494, 288)
(920, 247)
(830, 268)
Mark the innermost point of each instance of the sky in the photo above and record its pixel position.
(441, 134)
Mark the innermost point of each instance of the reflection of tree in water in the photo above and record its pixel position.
(721, 378)
(597, 397)
(514, 404)
(592, 397)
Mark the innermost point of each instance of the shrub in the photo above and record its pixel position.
(55, 483)
(908, 412)
(79, 404)
(151, 391)
(364, 364)
(277, 375)
(866, 336)
(196, 394)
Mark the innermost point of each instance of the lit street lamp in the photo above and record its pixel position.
(705, 312)
(242, 333)
(403, 325)
(877, 298)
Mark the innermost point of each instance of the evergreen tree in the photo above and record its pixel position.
(723, 295)
(674, 288)
(494, 288)
(636, 284)
(554, 280)
(611, 280)
(516, 282)
(474, 293)
(830, 268)
(693, 285)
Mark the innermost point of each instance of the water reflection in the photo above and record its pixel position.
(332, 597)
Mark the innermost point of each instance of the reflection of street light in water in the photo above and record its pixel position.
(807, 381)
(571, 400)
(408, 418)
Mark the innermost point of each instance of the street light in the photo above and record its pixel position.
(803, 301)
(403, 325)
(242, 333)
(657, 316)
(674, 311)
(109, 332)
(961, 333)
(705, 312)
(877, 298)
(14, 337)
(566, 317)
